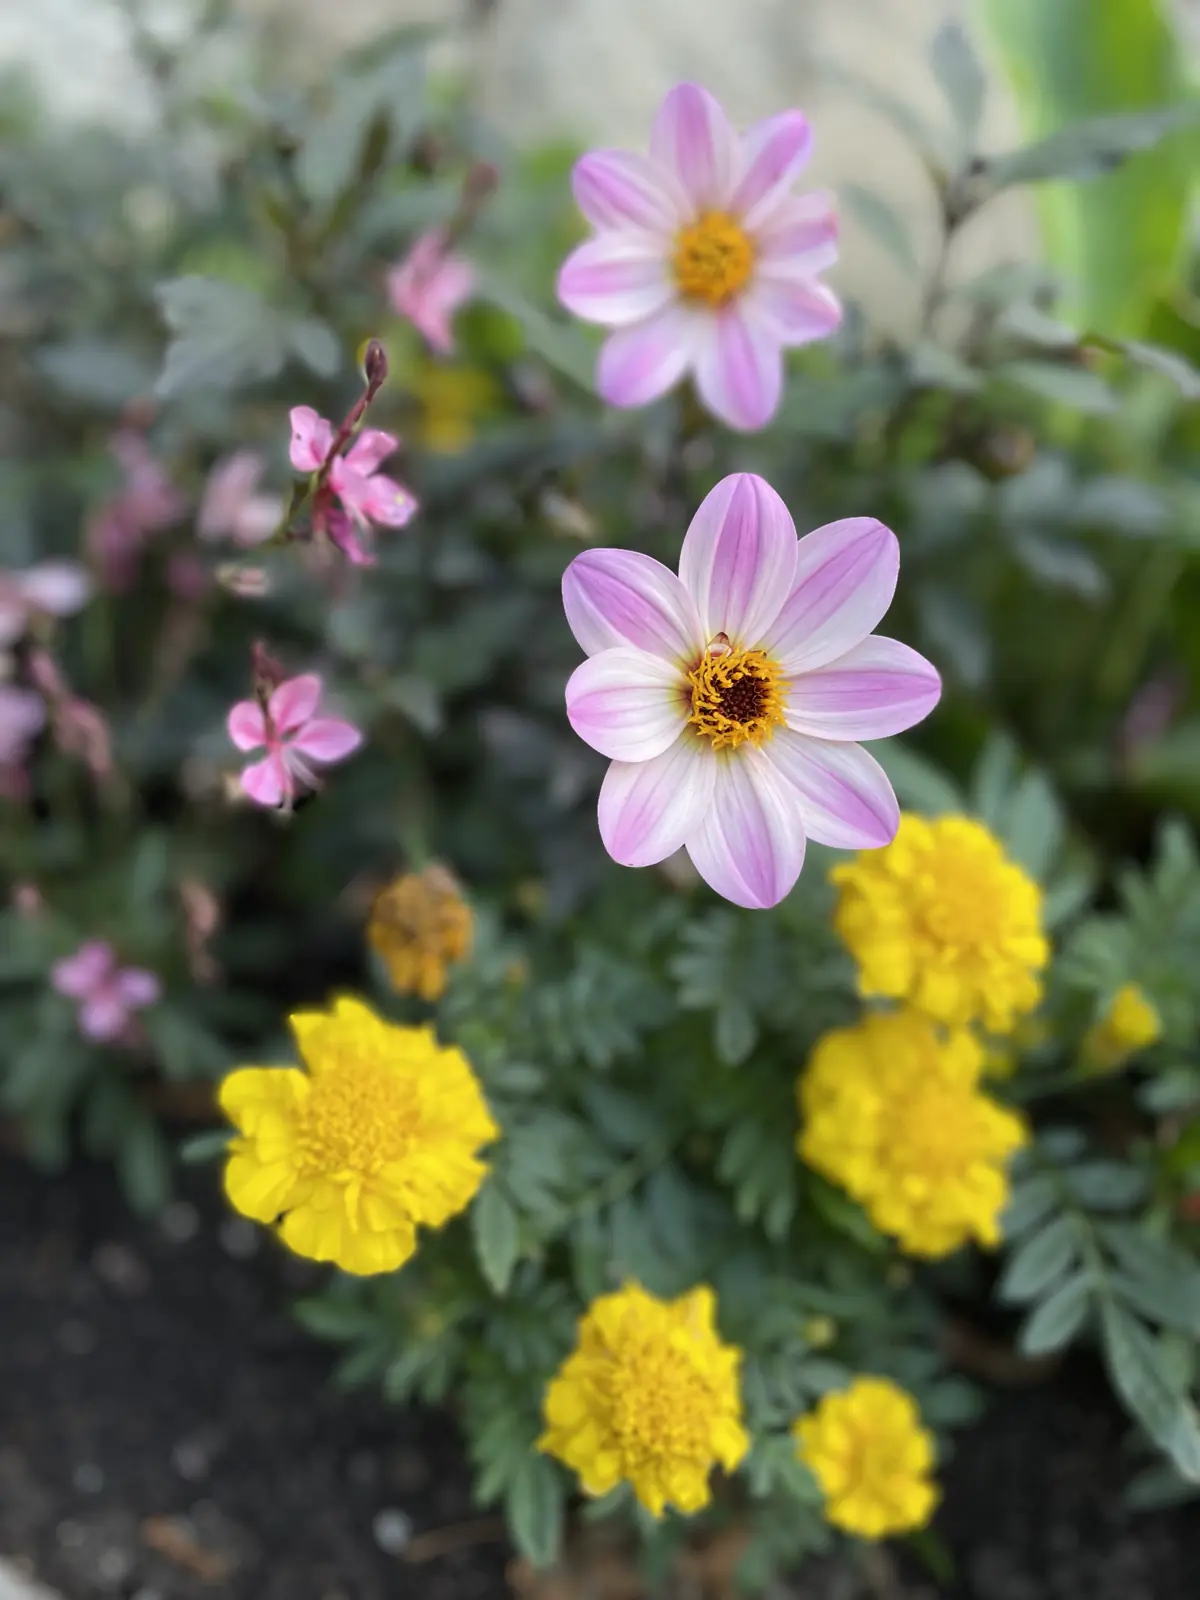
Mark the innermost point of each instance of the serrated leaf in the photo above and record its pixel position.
(882, 222)
(496, 1232)
(1061, 564)
(1031, 1201)
(534, 1509)
(960, 77)
(1059, 1317)
(1136, 1368)
(1039, 1261)
(956, 632)
(1106, 1185)
(1034, 824)
(933, 366)
(223, 335)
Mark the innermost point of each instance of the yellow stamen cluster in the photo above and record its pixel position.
(649, 1396)
(378, 1137)
(872, 1457)
(713, 259)
(942, 919)
(893, 1113)
(736, 696)
(419, 926)
(1130, 1024)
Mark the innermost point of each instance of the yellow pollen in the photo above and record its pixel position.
(713, 259)
(360, 1117)
(736, 696)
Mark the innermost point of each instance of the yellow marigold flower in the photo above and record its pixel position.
(1130, 1023)
(649, 1394)
(379, 1136)
(943, 919)
(893, 1112)
(452, 400)
(872, 1457)
(420, 924)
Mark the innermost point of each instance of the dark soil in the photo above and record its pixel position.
(168, 1433)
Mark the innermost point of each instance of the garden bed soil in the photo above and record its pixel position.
(167, 1432)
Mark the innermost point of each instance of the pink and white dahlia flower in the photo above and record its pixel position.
(704, 260)
(731, 698)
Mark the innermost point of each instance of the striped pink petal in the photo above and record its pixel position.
(294, 702)
(327, 739)
(739, 368)
(266, 781)
(615, 597)
(879, 688)
(845, 578)
(311, 438)
(639, 364)
(627, 704)
(738, 560)
(749, 846)
(692, 139)
(774, 153)
(649, 808)
(844, 793)
(246, 726)
(618, 189)
(800, 235)
(615, 280)
(796, 311)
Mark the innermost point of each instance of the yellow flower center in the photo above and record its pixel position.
(736, 695)
(662, 1407)
(713, 259)
(358, 1117)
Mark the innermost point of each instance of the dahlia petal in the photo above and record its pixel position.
(845, 578)
(627, 704)
(76, 976)
(618, 189)
(136, 987)
(691, 137)
(796, 311)
(616, 597)
(798, 236)
(749, 845)
(327, 739)
(739, 368)
(640, 363)
(615, 280)
(738, 559)
(879, 688)
(246, 726)
(266, 781)
(774, 153)
(103, 1016)
(387, 502)
(59, 587)
(843, 792)
(311, 438)
(371, 449)
(648, 809)
(294, 701)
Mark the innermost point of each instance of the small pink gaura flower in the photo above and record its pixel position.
(731, 698)
(429, 286)
(147, 504)
(367, 496)
(232, 508)
(703, 260)
(22, 718)
(52, 588)
(108, 994)
(295, 737)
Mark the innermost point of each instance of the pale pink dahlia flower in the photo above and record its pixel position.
(704, 261)
(730, 698)
(296, 738)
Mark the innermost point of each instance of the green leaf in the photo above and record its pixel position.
(316, 344)
(919, 784)
(1031, 1201)
(223, 335)
(96, 370)
(1106, 1185)
(881, 221)
(341, 1321)
(495, 1230)
(1034, 824)
(1167, 363)
(1136, 1368)
(1056, 1321)
(1090, 148)
(1035, 1265)
(1061, 564)
(735, 1032)
(960, 77)
(1063, 384)
(202, 1147)
(560, 344)
(534, 1508)
(144, 1165)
